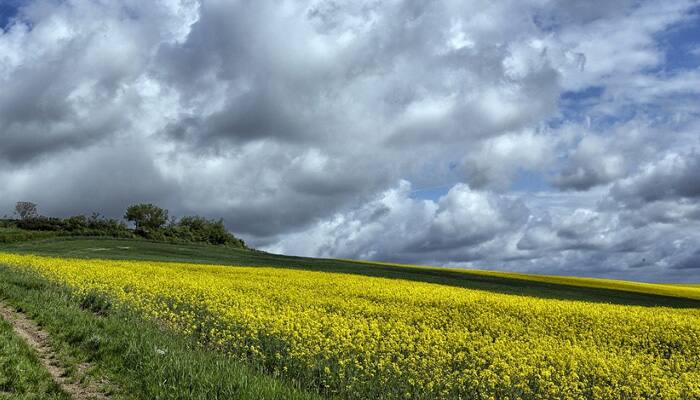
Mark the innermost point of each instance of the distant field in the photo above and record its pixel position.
(596, 290)
(359, 337)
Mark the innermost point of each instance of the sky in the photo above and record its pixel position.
(558, 137)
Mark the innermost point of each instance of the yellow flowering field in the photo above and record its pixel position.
(373, 338)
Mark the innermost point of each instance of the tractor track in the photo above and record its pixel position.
(39, 341)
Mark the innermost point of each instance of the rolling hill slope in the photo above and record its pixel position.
(543, 286)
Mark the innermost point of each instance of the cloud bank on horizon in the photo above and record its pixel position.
(540, 136)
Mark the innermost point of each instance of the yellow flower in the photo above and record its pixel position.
(366, 337)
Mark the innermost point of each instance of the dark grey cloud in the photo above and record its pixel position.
(692, 262)
(675, 177)
(254, 115)
(107, 180)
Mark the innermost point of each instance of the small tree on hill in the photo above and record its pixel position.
(147, 217)
(26, 210)
(210, 231)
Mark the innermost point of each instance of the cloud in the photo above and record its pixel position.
(396, 226)
(67, 86)
(615, 40)
(495, 161)
(106, 180)
(664, 191)
(691, 262)
(675, 176)
(305, 125)
(331, 72)
(539, 233)
(593, 162)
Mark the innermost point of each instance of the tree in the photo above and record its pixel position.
(200, 229)
(26, 210)
(147, 217)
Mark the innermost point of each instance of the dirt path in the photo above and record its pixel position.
(39, 341)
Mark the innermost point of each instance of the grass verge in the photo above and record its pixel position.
(143, 360)
(21, 374)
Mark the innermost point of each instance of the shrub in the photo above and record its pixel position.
(210, 231)
(41, 224)
(150, 223)
(78, 223)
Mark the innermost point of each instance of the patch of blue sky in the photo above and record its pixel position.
(431, 193)
(530, 181)
(586, 95)
(582, 107)
(681, 44)
(622, 114)
(573, 105)
(8, 11)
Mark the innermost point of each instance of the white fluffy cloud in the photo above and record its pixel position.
(494, 162)
(460, 226)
